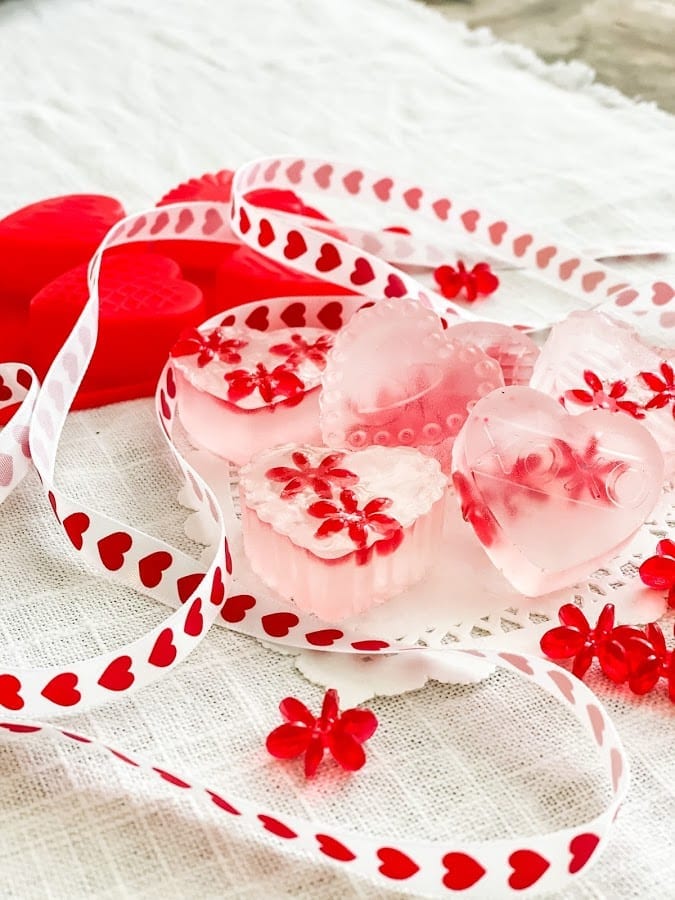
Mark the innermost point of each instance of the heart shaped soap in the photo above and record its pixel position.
(394, 378)
(552, 496)
(591, 361)
(515, 352)
(337, 532)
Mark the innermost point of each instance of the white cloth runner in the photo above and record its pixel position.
(128, 99)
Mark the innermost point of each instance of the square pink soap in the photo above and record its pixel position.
(336, 532)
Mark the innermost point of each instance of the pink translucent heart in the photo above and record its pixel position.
(515, 352)
(591, 361)
(551, 496)
(395, 379)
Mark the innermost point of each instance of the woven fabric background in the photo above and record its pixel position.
(129, 99)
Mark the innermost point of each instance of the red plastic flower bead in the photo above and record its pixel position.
(662, 385)
(208, 348)
(477, 282)
(357, 522)
(604, 395)
(318, 478)
(586, 472)
(299, 350)
(279, 383)
(341, 734)
(658, 571)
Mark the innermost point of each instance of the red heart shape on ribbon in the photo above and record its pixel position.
(324, 638)
(328, 259)
(279, 624)
(362, 273)
(294, 315)
(463, 871)
(217, 588)
(187, 585)
(164, 650)
(395, 864)
(62, 690)
(112, 549)
(582, 848)
(274, 826)
(295, 245)
(152, 567)
(236, 607)
(330, 315)
(528, 867)
(10, 697)
(118, 675)
(223, 804)
(334, 848)
(75, 526)
(194, 622)
(258, 318)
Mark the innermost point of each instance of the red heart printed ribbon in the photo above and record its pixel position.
(198, 593)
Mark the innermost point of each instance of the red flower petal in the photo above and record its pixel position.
(562, 642)
(294, 710)
(377, 505)
(570, 614)
(666, 547)
(485, 281)
(322, 509)
(653, 382)
(330, 707)
(618, 390)
(582, 661)
(328, 527)
(578, 395)
(314, 756)
(605, 619)
(293, 487)
(346, 750)
(358, 533)
(349, 500)
(280, 473)
(658, 402)
(360, 723)
(658, 572)
(288, 740)
(613, 659)
(668, 374)
(300, 460)
(592, 380)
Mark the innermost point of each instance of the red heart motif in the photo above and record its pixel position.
(228, 559)
(617, 767)
(75, 525)
(70, 366)
(170, 383)
(591, 280)
(271, 170)
(463, 871)
(172, 779)
(6, 469)
(164, 650)
(118, 675)
(19, 729)
(363, 272)
(519, 662)
(470, 219)
(333, 848)
(212, 222)
(122, 757)
(582, 847)
(294, 171)
(62, 690)
(322, 176)
(442, 208)
(324, 638)
(528, 867)
(21, 437)
(396, 864)
(24, 378)
(186, 585)
(370, 646)
(185, 219)
(597, 721)
(279, 624)
(217, 588)
(9, 692)
(625, 298)
(382, 189)
(395, 287)
(164, 406)
(329, 258)
(352, 181)
(521, 244)
(258, 319)
(497, 231)
(412, 198)
(662, 293)
(160, 223)
(244, 222)
(223, 804)
(330, 315)
(194, 621)
(564, 684)
(76, 737)
(567, 268)
(294, 315)
(152, 567)
(5, 390)
(52, 503)
(112, 548)
(276, 827)
(545, 255)
(265, 235)
(295, 245)
(137, 227)
(236, 607)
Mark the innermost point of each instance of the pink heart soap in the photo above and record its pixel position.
(552, 496)
(338, 532)
(515, 352)
(591, 361)
(393, 378)
(241, 390)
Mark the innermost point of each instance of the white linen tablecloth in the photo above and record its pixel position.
(128, 99)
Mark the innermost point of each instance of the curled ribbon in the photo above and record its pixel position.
(198, 593)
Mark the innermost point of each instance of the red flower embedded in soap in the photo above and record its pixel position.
(318, 478)
(298, 349)
(604, 395)
(475, 511)
(342, 734)
(357, 522)
(479, 281)
(280, 382)
(211, 347)
(586, 471)
(658, 571)
(663, 387)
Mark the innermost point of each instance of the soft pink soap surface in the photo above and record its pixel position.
(515, 352)
(552, 496)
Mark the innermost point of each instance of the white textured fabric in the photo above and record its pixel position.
(129, 98)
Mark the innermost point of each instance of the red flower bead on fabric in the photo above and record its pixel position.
(278, 383)
(357, 522)
(663, 387)
(604, 395)
(318, 478)
(341, 734)
(477, 282)
(208, 348)
(298, 350)
(658, 572)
